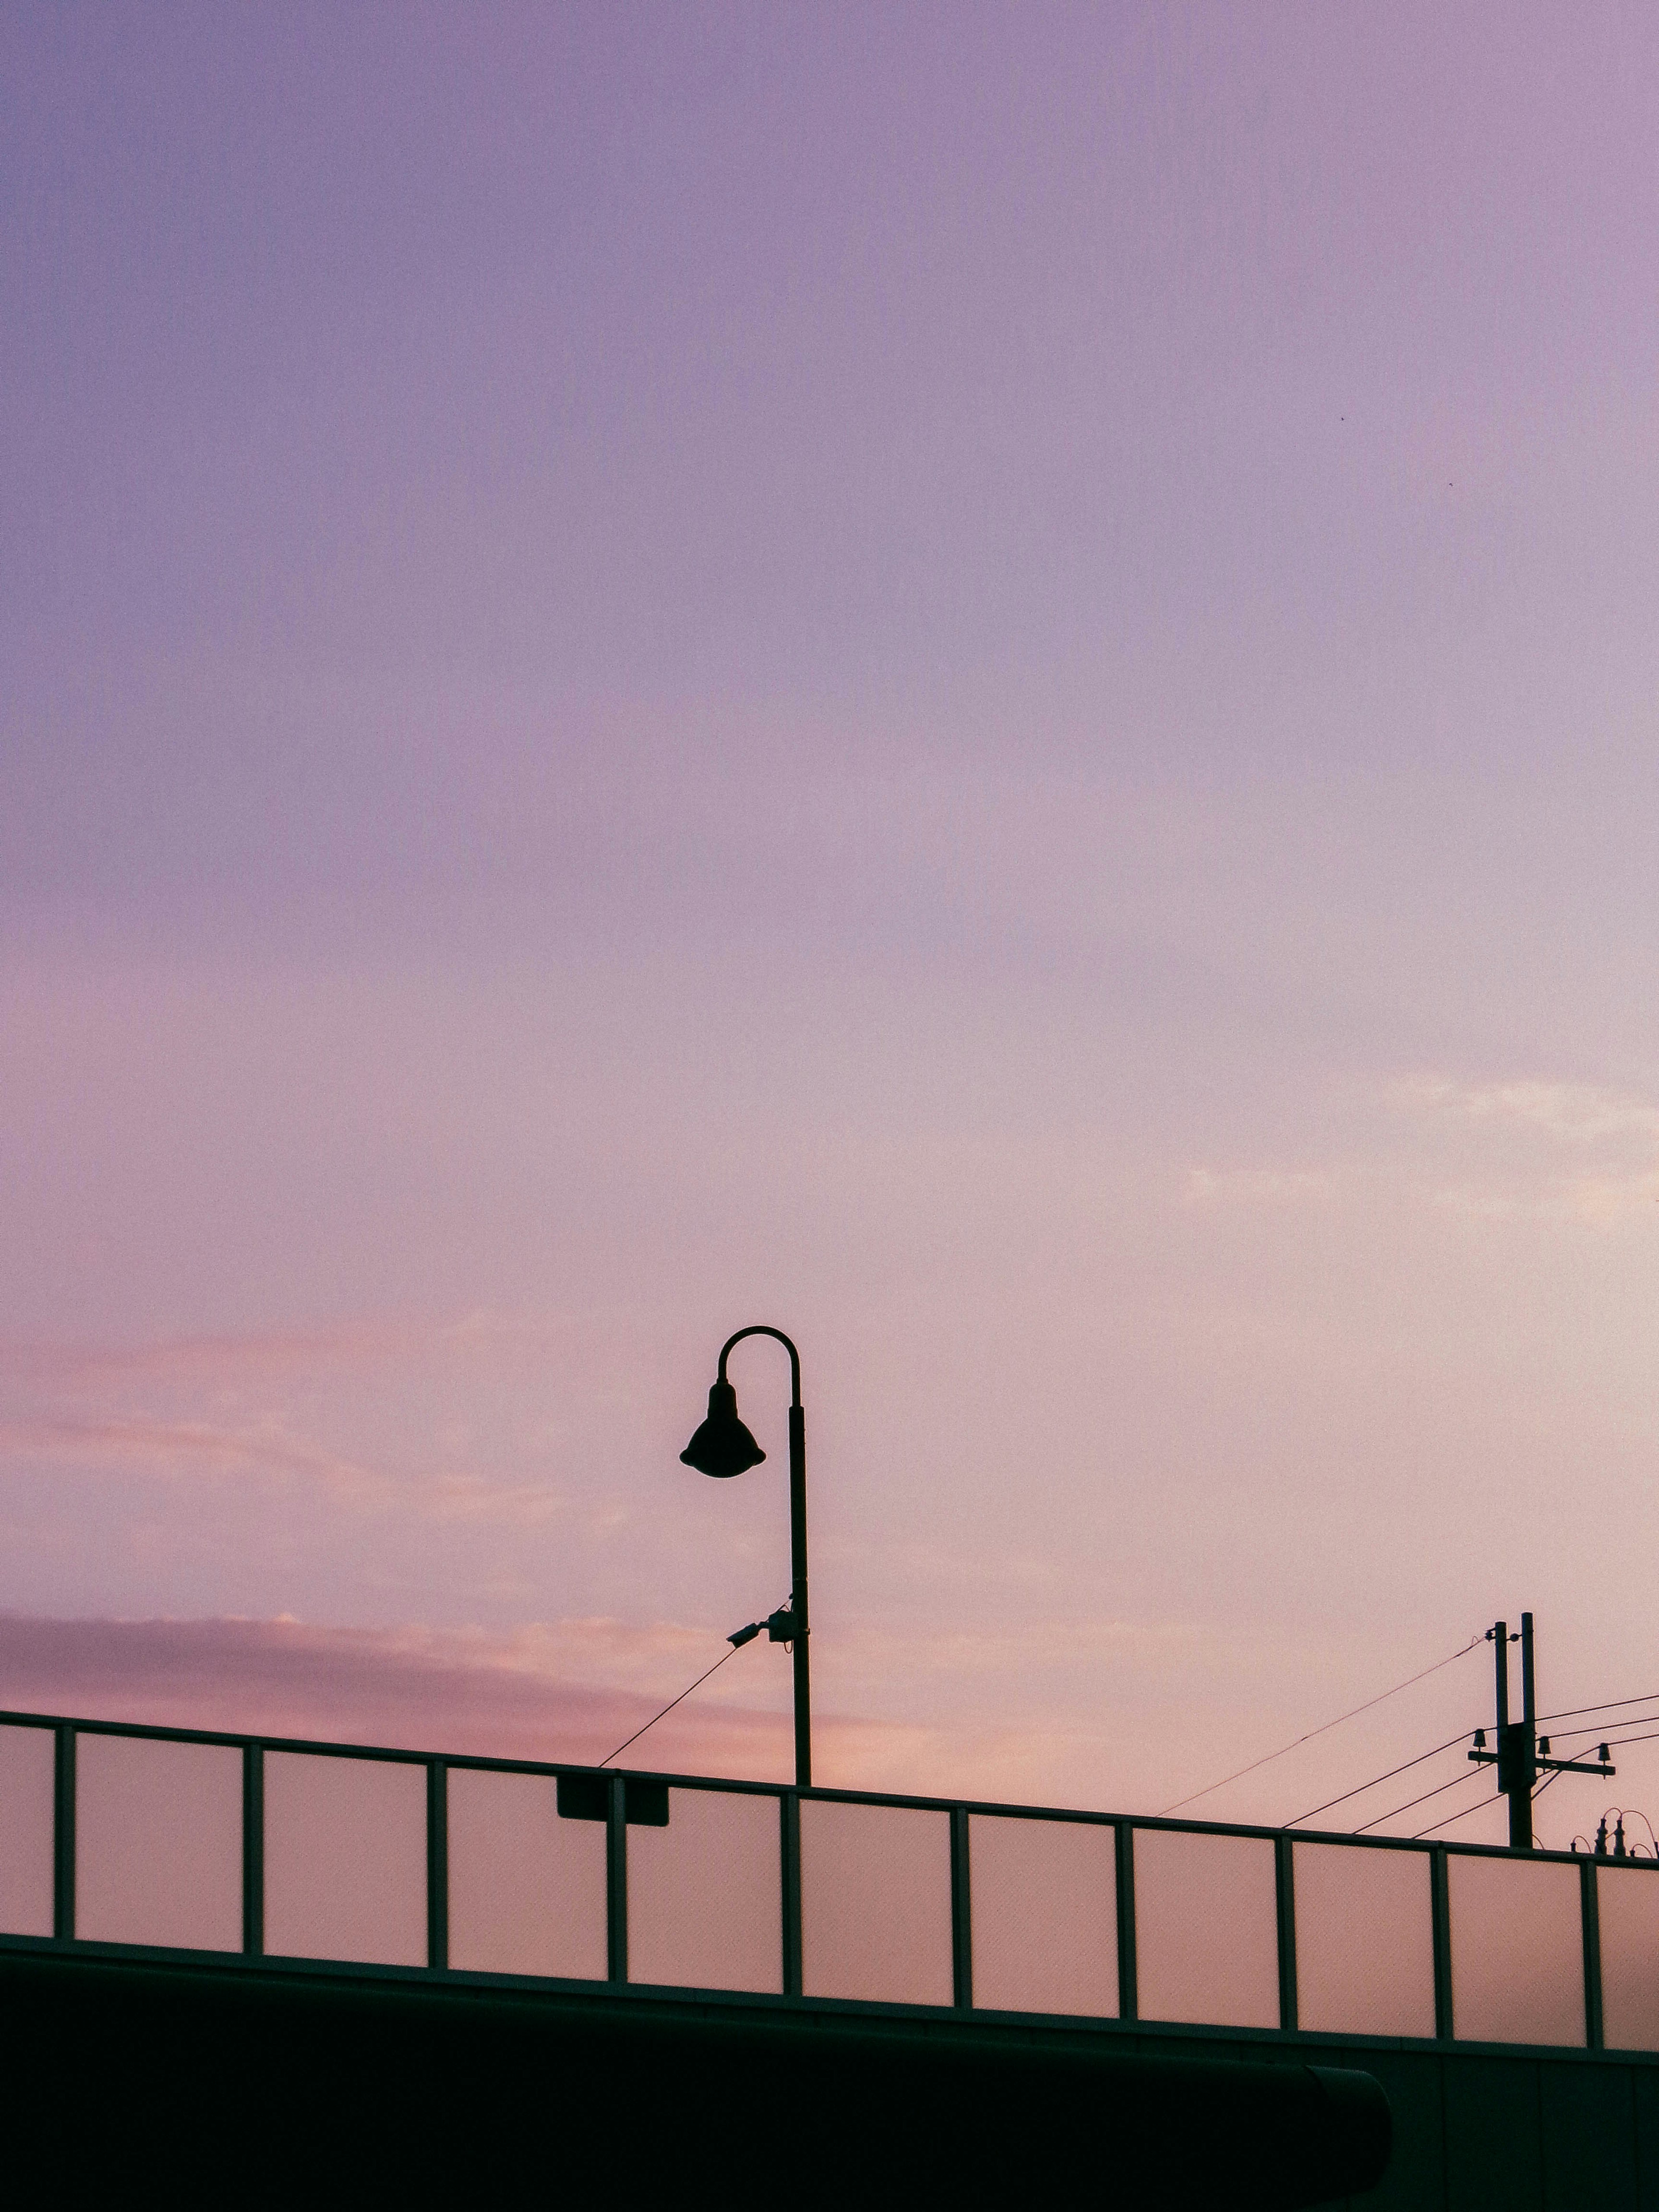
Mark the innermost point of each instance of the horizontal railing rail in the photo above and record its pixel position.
(446, 1862)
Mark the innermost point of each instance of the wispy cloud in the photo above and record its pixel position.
(190, 1448)
(1546, 1151)
(352, 1346)
(1257, 1185)
(192, 1360)
(501, 1696)
(1599, 1201)
(961, 1653)
(473, 1497)
(562, 1690)
(1578, 1114)
(489, 1325)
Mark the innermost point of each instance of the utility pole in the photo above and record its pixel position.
(1520, 1756)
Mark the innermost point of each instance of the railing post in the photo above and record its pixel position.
(615, 1877)
(63, 1834)
(1440, 1909)
(1284, 1885)
(1127, 2002)
(253, 1850)
(437, 1864)
(789, 1868)
(962, 1927)
(1589, 1906)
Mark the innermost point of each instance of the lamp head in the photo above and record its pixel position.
(722, 1446)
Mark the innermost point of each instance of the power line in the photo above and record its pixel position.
(1572, 1711)
(1632, 1720)
(1324, 1727)
(1495, 1799)
(1454, 1781)
(1376, 1779)
(670, 1706)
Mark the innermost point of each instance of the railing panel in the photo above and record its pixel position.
(1206, 1928)
(705, 1899)
(26, 1830)
(136, 1837)
(1627, 1907)
(1364, 1940)
(158, 1843)
(1044, 1915)
(875, 1902)
(345, 1858)
(1518, 1951)
(526, 1889)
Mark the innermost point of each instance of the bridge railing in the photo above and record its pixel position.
(172, 1839)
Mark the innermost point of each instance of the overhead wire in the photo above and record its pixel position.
(669, 1707)
(1376, 1779)
(1613, 1744)
(1571, 1713)
(1632, 1720)
(1453, 1784)
(1496, 1798)
(1324, 1727)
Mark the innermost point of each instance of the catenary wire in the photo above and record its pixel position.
(1268, 1756)
(1376, 1779)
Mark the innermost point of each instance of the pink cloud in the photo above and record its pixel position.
(413, 1688)
(465, 1692)
(357, 1345)
(177, 1446)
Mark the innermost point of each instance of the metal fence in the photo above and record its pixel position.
(267, 1849)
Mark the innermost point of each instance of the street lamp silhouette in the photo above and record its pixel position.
(722, 1447)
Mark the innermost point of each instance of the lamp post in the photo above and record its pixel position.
(723, 1446)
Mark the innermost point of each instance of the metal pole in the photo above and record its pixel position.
(1440, 1923)
(789, 1824)
(63, 1854)
(962, 1912)
(1515, 1755)
(797, 1597)
(1523, 1756)
(615, 1877)
(1128, 1978)
(797, 1544)
(437, 1864)
(254, 1849)
(1285, 1882)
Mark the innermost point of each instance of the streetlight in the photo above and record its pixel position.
(723, 1446)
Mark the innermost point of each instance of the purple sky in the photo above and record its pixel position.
(979, 681)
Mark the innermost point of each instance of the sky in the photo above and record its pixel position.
(978, 682)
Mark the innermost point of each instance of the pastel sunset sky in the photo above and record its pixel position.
(977, 680)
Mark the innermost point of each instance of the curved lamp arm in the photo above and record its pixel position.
(760, 1329)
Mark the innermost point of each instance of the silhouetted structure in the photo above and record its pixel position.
(297, 1965)
(723, 1447)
